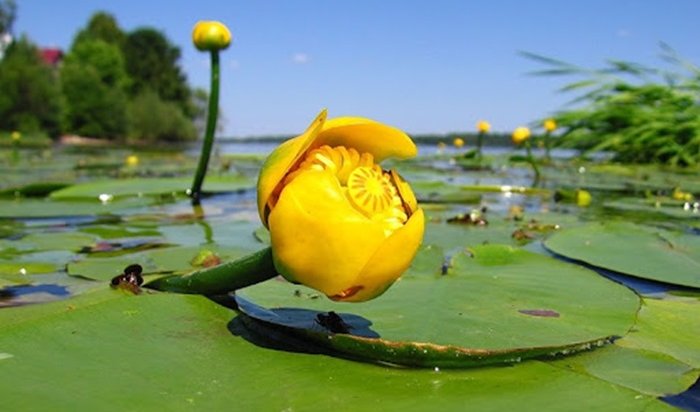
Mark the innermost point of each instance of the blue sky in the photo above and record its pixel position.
(424, 66)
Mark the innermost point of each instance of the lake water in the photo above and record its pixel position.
(264, 148)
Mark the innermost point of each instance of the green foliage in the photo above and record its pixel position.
(151, 61)
(639, 114)
(30, 100)
(102, 26)
(94, 82)
(152, 119)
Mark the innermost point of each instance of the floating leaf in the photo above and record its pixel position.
(177, 352)
(655, 208)
(645, 371)
(150, 187)
(470, 317)
(33, 208)
(634, 250)
(671, 327)
(180, 259)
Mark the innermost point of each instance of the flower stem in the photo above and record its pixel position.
(533, 163)
(218, 280)
(212, 113)
(479, 143)
(547, 146)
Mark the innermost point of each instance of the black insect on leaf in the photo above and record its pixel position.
(333, 322)
(130, 280)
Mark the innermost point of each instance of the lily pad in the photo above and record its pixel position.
(670, 327)
(45, 208)
(187, 347)
(72, 241)
(502, 305)
(176, 186)
(169, 260)
(634, 250)
(649, 372)
(440, 192)
(662, 209)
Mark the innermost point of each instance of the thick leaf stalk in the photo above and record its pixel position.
(212, 114)
(246, 271)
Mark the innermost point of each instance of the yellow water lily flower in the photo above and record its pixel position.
(458, 142)
(338, 222)
(483, 126)
(520, 134)
(583, 198)
(211, 35)
(132, 160)
(549, 125)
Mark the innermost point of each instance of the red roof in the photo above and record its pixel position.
(51, 56)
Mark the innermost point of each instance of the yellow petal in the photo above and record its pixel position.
(390, 260)
(318, 238)
(283, 158)
(367, 136)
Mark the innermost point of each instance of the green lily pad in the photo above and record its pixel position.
(502, 305)
(262, 235)
(176, 186)
(168, 260)
(633, 250)
(440, 192)
(648, 372)
(661, 209)
(178, 352)
(44, 208)
(670, 327)
(39, 189)
(72, 241)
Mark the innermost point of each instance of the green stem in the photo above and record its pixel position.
(246, 271)
(479, 143)
(531, 159)
(212, 112)
(547, 146)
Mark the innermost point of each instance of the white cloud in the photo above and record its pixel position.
(300, 58)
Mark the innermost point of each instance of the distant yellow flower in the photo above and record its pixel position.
(678, 194)
(338, 222)
(441, 146)
(132, 160)
(211, 35)
(550, 125)
(583, 198)
(520, 134)
(458, 142)
(483, 126)
(16, 136)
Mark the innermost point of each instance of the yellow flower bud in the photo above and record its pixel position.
(583, 198)
(132, 160)
(520, 134)
(211, 35)
(338, 222)
(15, 136)
(483, 126)
(550, 125)
(458, 142)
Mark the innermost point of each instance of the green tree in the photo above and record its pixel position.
(151, 120)
(94, 83)
(30, 100)
(102, 26)
(152, 63)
